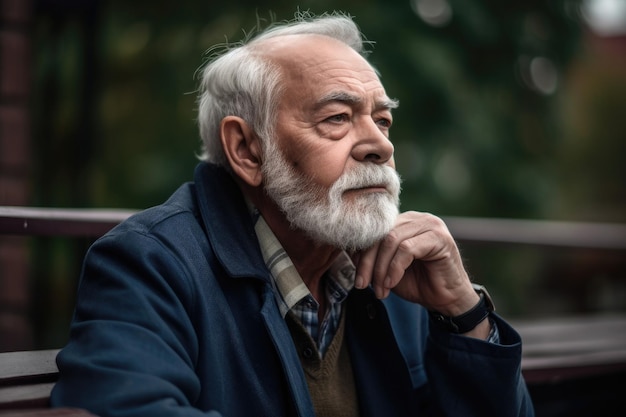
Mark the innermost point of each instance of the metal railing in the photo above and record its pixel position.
(39, 221)
(64, 222)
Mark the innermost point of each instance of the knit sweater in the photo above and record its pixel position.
(330, 379)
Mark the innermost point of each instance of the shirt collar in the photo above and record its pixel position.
(289, 289)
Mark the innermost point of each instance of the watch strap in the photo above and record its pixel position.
(467, 321)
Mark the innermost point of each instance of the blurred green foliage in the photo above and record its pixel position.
(508, 109)
(472, 137)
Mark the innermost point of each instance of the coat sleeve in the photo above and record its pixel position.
(132, 346)
(472, 377)
(461, 376)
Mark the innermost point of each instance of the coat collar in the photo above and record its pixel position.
(228, 223)
(229, 226)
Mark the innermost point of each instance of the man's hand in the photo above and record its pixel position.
(420, 262)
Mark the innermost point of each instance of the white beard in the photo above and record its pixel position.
(323, 214)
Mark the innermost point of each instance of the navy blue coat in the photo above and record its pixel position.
(175, 316)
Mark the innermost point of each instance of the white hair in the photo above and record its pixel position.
(241, 82)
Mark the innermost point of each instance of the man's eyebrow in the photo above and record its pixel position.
(338, 96)
(352, 99)
(386, 104)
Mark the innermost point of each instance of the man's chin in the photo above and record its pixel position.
(350, 241)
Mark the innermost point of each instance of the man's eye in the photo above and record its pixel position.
(338, 118)
(386, 123)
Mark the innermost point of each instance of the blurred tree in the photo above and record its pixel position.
(490, 122)
(476, 131)
(591, 169)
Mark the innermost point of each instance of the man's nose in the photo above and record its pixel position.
(372, 145)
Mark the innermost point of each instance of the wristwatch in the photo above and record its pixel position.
(468, 320)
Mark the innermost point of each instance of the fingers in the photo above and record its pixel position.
(417, 240)
(395, 255)
(384, 264)
(364, 262)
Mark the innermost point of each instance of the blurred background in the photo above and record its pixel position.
(509, 109)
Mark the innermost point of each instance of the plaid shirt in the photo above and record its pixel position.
(293, 295)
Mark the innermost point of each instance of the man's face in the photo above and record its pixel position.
(330, 167)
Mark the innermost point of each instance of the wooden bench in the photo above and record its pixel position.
(575, 366)
(26, 380)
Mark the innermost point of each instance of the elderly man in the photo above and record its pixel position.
(283, 281)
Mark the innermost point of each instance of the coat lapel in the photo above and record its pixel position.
(230, 229)
(288, 356)
(380, 371)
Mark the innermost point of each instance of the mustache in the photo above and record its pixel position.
(369, 175)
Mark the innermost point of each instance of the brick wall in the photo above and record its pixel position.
(15, 169)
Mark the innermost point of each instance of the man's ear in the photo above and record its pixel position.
(242, 148)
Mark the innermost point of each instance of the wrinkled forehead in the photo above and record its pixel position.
(315, 67)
